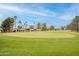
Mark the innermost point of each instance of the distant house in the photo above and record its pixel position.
(18, 30)
(28, 29)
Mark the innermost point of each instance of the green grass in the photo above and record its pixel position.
(39, 44)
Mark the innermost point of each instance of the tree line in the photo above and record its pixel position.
(9, 23)
(74, 25)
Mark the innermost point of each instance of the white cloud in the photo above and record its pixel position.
(40, 12)
(44, 12)
(10, 8)
(74, 10)
(49, 13)
(69, 13)
(66, 17)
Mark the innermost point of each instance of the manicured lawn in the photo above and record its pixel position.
(39, 43)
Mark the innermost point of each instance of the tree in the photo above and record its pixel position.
(25, 24)
(15, 17)
(77, 23)
(44, 27)
(7, 24)
(74, 25)
(20, 25)
(38, 25)
(51, 27)
(31, 27)
(63, 27)
(19, 22)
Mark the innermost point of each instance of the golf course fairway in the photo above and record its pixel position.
(44, 43)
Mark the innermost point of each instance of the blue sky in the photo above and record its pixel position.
(57, 14)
